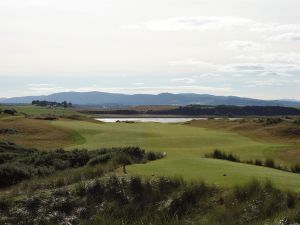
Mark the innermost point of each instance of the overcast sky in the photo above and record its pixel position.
(234, 47)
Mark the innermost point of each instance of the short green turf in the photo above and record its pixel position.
(185, 147)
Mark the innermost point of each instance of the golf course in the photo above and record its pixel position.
(185, 147)
(198, 171)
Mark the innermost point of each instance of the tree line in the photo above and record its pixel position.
(221, 110)
(64, 104)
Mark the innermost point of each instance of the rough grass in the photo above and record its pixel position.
(284, 132)
(185, 147)
(38, 111)
(39, 134)
(161, 201)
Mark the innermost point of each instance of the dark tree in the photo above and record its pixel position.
(10, 111)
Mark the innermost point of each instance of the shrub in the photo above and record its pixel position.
(154, 156)
(94, 190)
(260, 120)
(242, 193)
(5, 157)
(297, 122)
(217, 154)
(187, 199)
(151, 156)
(48, 117)
(136, 188)
(269, 163)
(135, 152)
(99, 159)
(296, 168)
(8, 131)
(271, 121)
(249, 161)
(122, 159)
(258, 162)
(21, 163)
(233, 158)
(60, 164)
(132, 201)
(10, 111)
(12, 173)
(5, 203)
(32, 204)
(165, 185)
(291, 200)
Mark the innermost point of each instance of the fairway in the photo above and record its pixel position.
(185, 147)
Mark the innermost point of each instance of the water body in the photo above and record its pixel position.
(153, 120)
(157, 119)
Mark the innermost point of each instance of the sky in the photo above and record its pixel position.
(248, 48)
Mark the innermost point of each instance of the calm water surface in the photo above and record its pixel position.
(156, 120)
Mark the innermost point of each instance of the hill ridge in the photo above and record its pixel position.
(119, 99)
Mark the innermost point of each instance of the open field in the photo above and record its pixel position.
(185, 147)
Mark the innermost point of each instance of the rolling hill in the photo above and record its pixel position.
(114, 99)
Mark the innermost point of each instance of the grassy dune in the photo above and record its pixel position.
(38, 133)
(285, 133)
(185, 147)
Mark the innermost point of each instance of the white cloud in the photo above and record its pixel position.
(184, 80)
(274, 74)
(268, 82)
(206, 23)
(209, 75)
(242, 45)
(272, 64)
(45, 89)
(242, 67)
(291, 36)
(130, 27)
(274, 27)
(197, 23)
(39, 85)
(138, 83)
(193, 62)
(260, 67)
(284, 58)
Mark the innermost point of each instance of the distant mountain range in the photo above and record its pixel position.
(112, 99)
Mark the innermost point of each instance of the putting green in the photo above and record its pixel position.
(185, 147)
